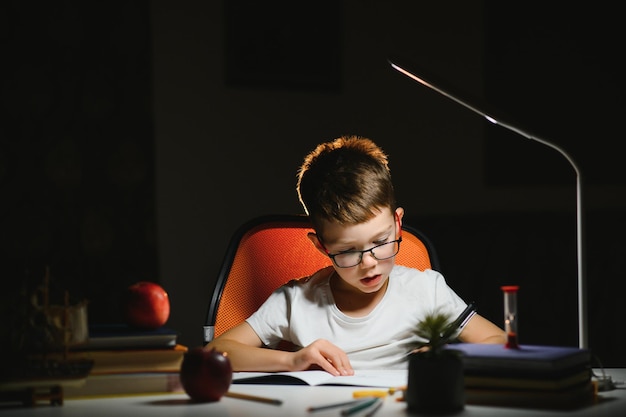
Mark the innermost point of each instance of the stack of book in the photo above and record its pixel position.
(546, 377)
(129, 361)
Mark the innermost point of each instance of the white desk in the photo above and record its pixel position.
(296, 399)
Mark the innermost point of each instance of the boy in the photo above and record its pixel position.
(361, 312)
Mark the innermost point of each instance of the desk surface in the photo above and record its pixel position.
(296, 399)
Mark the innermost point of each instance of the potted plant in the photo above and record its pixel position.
(435, 380)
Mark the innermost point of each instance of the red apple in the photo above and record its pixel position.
(205, 374)
(146, 305)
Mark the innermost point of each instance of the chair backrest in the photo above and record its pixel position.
(270, 250)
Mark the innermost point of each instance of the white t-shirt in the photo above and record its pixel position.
(304, 310)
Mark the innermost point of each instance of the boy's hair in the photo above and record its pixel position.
(346, 180)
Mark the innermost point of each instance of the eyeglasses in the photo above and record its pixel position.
(351, 258)
(380, 252)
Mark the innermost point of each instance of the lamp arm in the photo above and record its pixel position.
(580, 255)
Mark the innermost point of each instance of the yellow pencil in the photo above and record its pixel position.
(393, 390)
(377, 393)
(370, 393)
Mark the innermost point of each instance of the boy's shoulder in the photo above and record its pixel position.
(405, 274)
(406, 271)
(320, 277)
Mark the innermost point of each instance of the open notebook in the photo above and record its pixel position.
(363, 378)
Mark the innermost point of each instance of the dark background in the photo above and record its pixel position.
(77, 151)
(558, 72)
(136, 136)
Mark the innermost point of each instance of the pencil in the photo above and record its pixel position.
(358, 407)
(393, 390)
(336, 405)
(374, 409)
(249, 397)
(459, 322)
(370, 393)
(377, 393)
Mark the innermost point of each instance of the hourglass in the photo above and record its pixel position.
(510, 315)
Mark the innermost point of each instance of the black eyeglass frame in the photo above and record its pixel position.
(370, 250)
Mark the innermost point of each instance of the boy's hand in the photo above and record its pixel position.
(324, 355)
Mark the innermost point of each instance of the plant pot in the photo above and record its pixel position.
(435, 383)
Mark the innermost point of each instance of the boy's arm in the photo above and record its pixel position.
(246, 353)
(481, 330)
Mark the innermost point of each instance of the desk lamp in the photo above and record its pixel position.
(411, 71)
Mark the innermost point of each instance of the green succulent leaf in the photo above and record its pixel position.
(432, 328)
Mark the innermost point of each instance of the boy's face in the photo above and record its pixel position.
(371, 274)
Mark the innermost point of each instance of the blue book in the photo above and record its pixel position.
(527, 360)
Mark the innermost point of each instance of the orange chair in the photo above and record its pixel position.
(270, 250)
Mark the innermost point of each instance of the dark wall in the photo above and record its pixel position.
(77, 149)
(79, 141)
(559, 74)
(537, 251)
